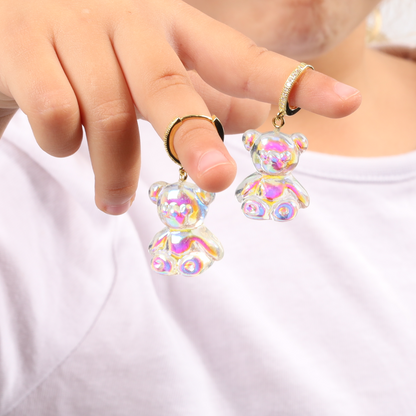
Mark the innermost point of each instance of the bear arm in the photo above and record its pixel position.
(204, 240)
(160, 241)
(293, 186)
(249, 186)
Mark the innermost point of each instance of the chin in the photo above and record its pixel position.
(309, 36)
(302, 29)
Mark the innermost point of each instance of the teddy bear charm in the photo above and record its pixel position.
(272, 192)
(185, 246)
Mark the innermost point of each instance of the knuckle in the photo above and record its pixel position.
(18, 27)
(113, 116)
(254, 58)
(54, 108)
(190, 135)
(166, 81)
(119, 192)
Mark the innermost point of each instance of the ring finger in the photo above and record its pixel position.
(108, 116)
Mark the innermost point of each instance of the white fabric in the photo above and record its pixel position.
(314, 317)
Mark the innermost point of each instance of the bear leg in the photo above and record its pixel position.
(163, 263)
(285, 210)
(255, 209)
(194, 264)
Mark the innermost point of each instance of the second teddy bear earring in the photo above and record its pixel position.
(185, 246)
(273, 192)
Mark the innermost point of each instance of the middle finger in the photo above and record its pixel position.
(163, 91)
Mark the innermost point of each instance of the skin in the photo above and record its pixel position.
(100, 63)
(300, 29)
(330, 35)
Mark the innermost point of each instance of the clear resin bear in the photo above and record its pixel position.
(272, 192)
(185, 246)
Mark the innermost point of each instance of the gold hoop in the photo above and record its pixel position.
(284, 108)
(174, 126)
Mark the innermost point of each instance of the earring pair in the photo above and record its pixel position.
(185, 246)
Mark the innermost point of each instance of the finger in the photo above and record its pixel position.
(236, 114)
(108, 116)
(37, 82)
(164, 92)
(239, 68)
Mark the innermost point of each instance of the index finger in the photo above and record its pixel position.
(233, 64)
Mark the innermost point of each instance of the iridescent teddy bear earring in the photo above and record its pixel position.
(272, 192)
(185, 246)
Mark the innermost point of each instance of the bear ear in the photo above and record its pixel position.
(249, 138)
(154, 191)
(204, 196)
(301, 141)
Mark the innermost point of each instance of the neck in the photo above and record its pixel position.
(385, 83)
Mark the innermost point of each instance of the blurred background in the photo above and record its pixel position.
(395, 23)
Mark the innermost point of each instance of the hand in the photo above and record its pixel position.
(95, 63)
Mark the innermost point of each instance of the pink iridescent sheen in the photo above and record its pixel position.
(273, 192)
(275, 146)
(185, 246)
(189, 243)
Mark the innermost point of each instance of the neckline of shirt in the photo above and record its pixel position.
(396, 168)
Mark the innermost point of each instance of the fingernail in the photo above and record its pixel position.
(344, 91)
(119, 209)
(210, 160)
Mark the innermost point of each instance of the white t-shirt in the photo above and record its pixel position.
(316, 317)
